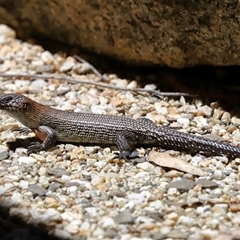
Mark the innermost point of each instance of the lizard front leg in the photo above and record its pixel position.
(45, 134)
(126, 141)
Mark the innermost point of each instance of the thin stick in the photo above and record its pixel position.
(94, 70)
(102, 85)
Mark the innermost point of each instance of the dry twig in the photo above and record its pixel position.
(94, 70)
(101, 85)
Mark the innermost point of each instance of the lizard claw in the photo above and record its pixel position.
(34, 147)
(124, 155)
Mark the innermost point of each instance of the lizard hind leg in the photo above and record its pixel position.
(126, 141)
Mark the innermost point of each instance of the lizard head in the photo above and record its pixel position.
(21, 108)
(13, 102)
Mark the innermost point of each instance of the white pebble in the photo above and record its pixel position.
(187, 221)
(107, 222)
(160, 109)
(49, 215)
(23, 184)
(6, 32)
(183, 121)
(72, 228)
(16, 198)
(27, 160)
(66, 66)
(218, 174)
(47, 57)
(146, 166)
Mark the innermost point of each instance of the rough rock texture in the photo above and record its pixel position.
(168, 32)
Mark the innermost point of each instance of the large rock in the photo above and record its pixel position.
(169, 32)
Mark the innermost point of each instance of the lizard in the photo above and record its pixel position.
(51, 125)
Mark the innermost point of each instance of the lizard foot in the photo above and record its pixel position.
(126, 155)
(34, 147)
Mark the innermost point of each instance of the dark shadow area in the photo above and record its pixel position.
(13, 228)
(208, 82)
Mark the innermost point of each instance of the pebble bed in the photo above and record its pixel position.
(81, 192)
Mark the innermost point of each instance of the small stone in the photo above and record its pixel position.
(58, 172)
(186, 221)
(218, 174)
(146, 166)
(27, 160)
(73, 229)
(124, 217)
(36, 190)
(117, 193)
(47, 57)
(21, 83)
(82, 68)
(183, 121)
(106, 221)
(206, 110)
(49, 215)
(227, 171)
(226, 117)
(217, 113)
(205, 183)
(216, 193)
(220, 209)
(42, 171)
(38, 84)
(201, 122)
(110, 233)
(235, 121)
(3, 152)
(6, 32)
(23, 184)
(62, 234)
(178, 234)
(54, 187)
(39, 158)
(66, 66)
(16, 198)
(235, 207)
(61, 90)
(44, 69)
(10, 178)
(160, 109)
(183, 185)
(236, 187)
(214, 105)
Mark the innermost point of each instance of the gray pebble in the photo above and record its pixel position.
(205, 183)
(236, 187)
(117, 193)
(178, 234)
(54, 187)
(3, 152)
(58, 172)
(110, 233)
(36, 190)
(124, 217)
(184, 184)
(45, 69)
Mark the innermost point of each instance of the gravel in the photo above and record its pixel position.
(82, 191)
